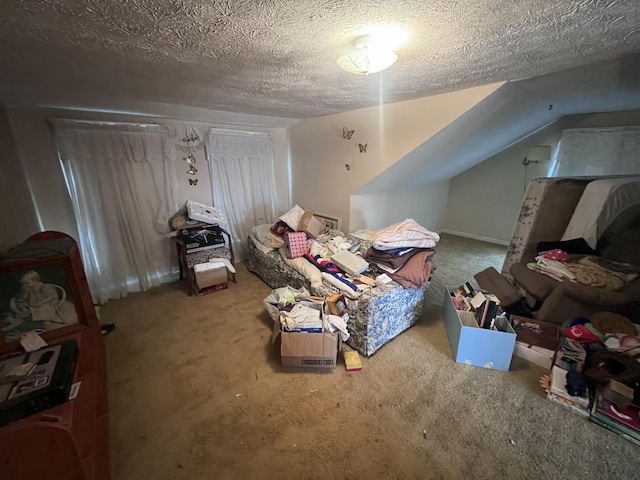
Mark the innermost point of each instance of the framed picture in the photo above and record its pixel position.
(39, 295)
(333, 222)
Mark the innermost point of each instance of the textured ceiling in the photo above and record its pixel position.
(278, 58)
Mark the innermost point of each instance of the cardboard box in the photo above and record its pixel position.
(538, 355)
(536, 332)
(307, 350)
(210, 274)
(477, 346)
(310, 224)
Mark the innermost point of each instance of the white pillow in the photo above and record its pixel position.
(305, 268)
(292, 217)
(261, 234)
(263, 248)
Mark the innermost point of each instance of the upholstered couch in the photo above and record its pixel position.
(547, 209)
(564, 300)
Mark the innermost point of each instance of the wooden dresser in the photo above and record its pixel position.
(71, 440)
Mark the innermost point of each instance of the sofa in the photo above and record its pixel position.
(554, 208)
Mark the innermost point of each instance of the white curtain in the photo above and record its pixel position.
(185, 136)
(597, 151)
(243, 182)
(122, 185)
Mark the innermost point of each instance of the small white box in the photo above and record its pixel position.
(210, 274)
(350, 262)
(477, 346)
(538, 355)
(203, 213)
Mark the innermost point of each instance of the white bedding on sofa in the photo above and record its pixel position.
(304, 267)
(261, 246)
(601, 202)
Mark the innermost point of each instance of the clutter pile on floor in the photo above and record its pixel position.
(385, 296)
(593, 362)
(311, 329)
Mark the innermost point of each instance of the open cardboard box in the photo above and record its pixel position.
(210, 274)
(307, 349)
(310, 225)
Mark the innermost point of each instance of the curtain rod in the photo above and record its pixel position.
(212, 130)
(230, 131)
(55, 120)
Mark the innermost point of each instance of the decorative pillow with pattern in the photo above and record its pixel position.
(280, 228)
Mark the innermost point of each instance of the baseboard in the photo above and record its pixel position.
(476, 237)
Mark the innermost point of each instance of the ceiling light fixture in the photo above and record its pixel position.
(367, 57)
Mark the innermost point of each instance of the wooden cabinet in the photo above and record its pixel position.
(71, 440)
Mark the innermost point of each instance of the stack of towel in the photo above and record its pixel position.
(404, 251)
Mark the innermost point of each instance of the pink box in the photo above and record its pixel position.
(296, 244)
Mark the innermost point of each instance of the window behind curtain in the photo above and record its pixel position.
(598, 151)
(122, 185)
(243, 181)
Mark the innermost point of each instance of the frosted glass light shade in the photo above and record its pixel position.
(365, 59)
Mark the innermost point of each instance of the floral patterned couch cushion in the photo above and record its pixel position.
(376, 317)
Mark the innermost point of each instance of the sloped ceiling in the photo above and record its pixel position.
(510, 114)
(278, 58)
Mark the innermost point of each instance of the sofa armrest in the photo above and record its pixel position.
(593, 295)
(535, 284)
(570, 300)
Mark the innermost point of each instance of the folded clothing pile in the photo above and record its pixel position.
(404, 251)
(589, 270)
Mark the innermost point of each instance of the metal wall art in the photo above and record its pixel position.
(191, 161)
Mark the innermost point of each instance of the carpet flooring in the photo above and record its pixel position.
(196, 391)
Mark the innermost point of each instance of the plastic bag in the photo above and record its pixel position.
(281, 297)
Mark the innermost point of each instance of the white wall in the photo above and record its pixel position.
(484, 201)
(38, 156)
(18, 218)
(424, 204)
(321, 181)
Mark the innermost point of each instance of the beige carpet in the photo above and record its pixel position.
(196, 392)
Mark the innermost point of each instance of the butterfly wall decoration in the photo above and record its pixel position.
(347, 166)
(346, 133)
(193, 181)
(363, 148)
